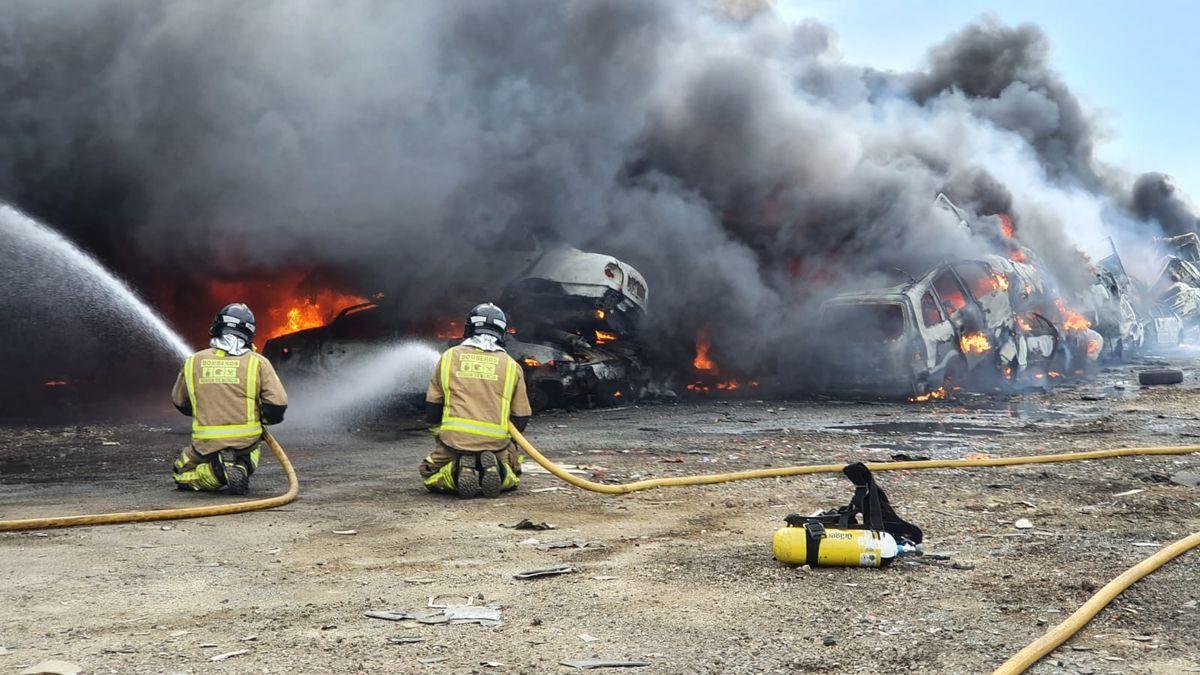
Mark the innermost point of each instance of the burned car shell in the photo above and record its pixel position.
(952, 301)
(906, 361)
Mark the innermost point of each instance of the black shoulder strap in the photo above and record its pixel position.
(871, 501)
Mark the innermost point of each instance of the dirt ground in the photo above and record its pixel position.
(680, 578)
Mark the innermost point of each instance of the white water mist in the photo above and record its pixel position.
(23, 240)
(369, 380)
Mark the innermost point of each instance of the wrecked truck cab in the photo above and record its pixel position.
(568, 287)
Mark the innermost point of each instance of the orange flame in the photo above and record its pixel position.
(974, 343)
(1093, 347)
(1017, 255)
(702, 361)
(451, 331)
(936, 395)
(285, 304)
(1006, 225)
(603, 337)
(1023, 323)
(1001, 281)
(55, 383)
(1072, 320)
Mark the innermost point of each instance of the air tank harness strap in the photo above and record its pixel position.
(869, 501)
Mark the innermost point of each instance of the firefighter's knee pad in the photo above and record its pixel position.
(442, 480)
(252, 458)
(510, 478)
(199, 477)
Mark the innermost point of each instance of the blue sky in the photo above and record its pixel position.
(1134, 64)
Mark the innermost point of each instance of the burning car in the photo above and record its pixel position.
(574, 315)
(962, 321)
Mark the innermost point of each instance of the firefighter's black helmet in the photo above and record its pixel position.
(486, 318)
(234, 319)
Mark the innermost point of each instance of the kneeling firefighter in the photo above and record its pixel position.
(835, 538)
(476, 389)
(230, 391)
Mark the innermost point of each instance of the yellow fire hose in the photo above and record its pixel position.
(1027, 656)
(170, 514)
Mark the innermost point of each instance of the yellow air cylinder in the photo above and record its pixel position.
(835, 548)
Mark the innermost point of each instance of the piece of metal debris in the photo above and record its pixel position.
(435, 659)
(453, 615)
(405, 639)
(444, 600)
(1129, 492)
(345, 532)
(228, 655)
(1023, 524)
(545, 572)
(588, 664)
(527, 524)
(574, 543)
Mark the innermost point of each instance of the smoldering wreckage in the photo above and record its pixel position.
(710, 210)
(996, 323)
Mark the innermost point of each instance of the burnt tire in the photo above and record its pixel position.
(1160, 376)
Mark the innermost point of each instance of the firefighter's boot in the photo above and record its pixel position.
(490, 480)
(467, 483)
(237, 477)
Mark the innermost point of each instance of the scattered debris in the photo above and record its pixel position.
(1147, 544)
(545, 572)
(249, 638)
(405, 639)
(588, 664)
(527, 524)
(604, 578)
(53, 668)
(574, 543)
(444, 600)
(346, 532)
(588, 638)
(1023, 524)
(228, 655)
(903, 457)
(1129, 493)
(435, 659)
(454, 615)
(829, 641)
(419, 580)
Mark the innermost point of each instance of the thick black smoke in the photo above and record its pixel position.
(733, 158)
(1156, 198)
